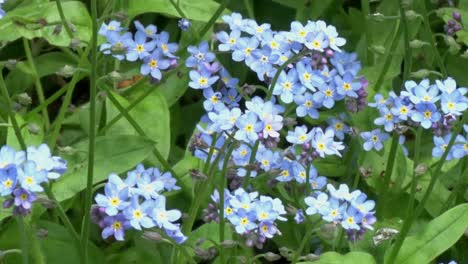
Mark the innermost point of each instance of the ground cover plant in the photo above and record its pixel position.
(255, 131)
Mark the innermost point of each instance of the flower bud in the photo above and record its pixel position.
(411, 15)
(197, 175)
(229, 243)
(421, 74)
(311, 257)
(420, 169)
(457, 16)
(416, 44)
(270, 256)
(24, 99)
(153, 236)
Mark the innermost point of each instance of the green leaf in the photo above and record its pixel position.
(354, 257)
(152, 114)
(200, 10)
(47, 64)
(30, 139)
(439, 235)
(58, 246)
(208, 231)
(114, 154)
(23, 22)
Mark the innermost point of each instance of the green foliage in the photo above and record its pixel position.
(437, 236)
(354, 257)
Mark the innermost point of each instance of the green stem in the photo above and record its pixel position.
(427, 26)
(187, 227)
(10, 111)
(251, 161)
(24, 240)
(420, 208)
(281, 68)
(213, 19)
(63, 216)
(141, 132)
(222, 221)
(304, 241)
(249, 7)
(388, 170)
(65, 23)
(408, 53)
(92, 135)
(388, 57)
(37, 81)
(366, 12)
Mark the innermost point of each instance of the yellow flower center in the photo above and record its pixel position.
(244, 221)
(302, 174)
(249, 128)
(243, 152)
(287, 85)
(203, 81)
(302, 33)
(346, 86)
(117, 225)
(273, 44)
(426, 98)
(263, 215)
(308, 104)
(24, 197)
(450, 105)
(137, 214)
(350, 220)
(285, 173)
(140, 48)
(8, 183)
(29, 180)
(375, 138)
(302, 137)
(153, 64)
(164, 47)
(321, 146)
(328, 93)
(338, 126)
(388, 117)
(306, 76)
(316, 44)
(228, 210)
(266, 163)
(232, 41)
(334, 213)
(248, 51)
(114, 201)
(214, 99)
(403, 110)
(427, 114)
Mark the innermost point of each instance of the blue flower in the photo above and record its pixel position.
(177, 235)
(116, 44)
(8, 180)
(267, 229)
(351, 219)
(243, 221)
(229, 82)
(286, 170)
(31, 178)
(268, 159)
(454, 103)
(264, 211)
(263, 60)
(401, 110)
(306, 105)
(441, 144)
(299, 32)
(113, 200)
(386, 119)
(164, 218)
(153, 64)
(317, 204)
(426, 114)
(249, 126)
(235, 21)
(225, 119)
(9, 156)
(326, 95)
(241, 155)
(115, 226)
(252, 28)
(316, 41)
(168, 49)
(138, 213)
(374, 139)
(307, 77)
(230, 96)
(55, 166)
(324, 144)
(380, 101)
(338, 126)
(23, 199)
(316, 182)
(335, 211)
(422, 94)
(287, 86)
(346, 86)
(213, 100)
(299, 136)
(167, 179)
(243, 49)
(113, 26)
(184, 24)
(139, 48)
(150, 30)
(199, 55)
(202, 79)
(149, 187)
(361, 203)
(228, 41)
(271, 125)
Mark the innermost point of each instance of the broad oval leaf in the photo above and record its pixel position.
(25, 22)
(114, 154)
(152, 114)
(354, 257)
(439, 235)
(199, 10)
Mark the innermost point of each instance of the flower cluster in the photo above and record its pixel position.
(252, 216)
(137, 202)
(351, 210)
(146, 45)
(454, 25)
(23, 173)
(262, 132)
(432, 106)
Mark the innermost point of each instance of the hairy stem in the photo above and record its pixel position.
(92, 135)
